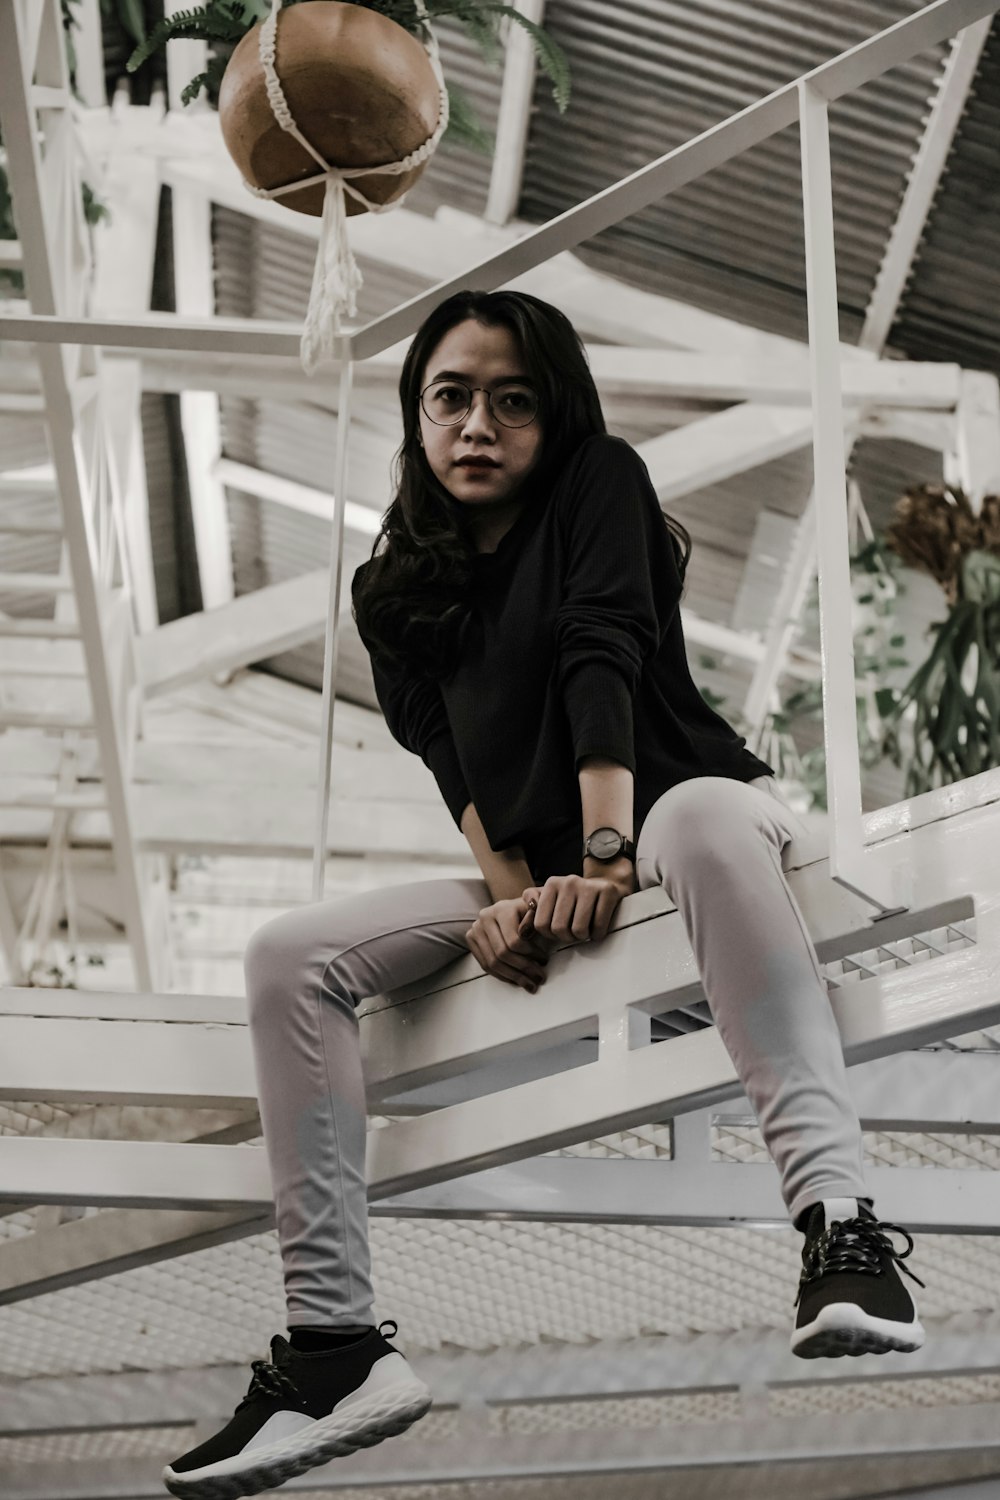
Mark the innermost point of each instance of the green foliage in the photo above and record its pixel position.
(128, 14)
(876, 585)
(951, 704)
(223, 23)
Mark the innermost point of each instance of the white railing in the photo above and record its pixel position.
(805, 100)
(43, 163)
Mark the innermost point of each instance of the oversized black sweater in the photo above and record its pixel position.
(575, 648)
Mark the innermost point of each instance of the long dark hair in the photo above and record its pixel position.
(412, 601)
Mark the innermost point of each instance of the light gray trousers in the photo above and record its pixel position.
(715, 845)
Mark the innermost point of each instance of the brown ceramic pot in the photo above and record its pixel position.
(360, 88)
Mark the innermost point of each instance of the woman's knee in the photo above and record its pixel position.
(699, 814)
(272, 960)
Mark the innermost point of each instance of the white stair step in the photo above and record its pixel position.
(35, 583)
(20, 526)
(54, 720)
(40, 629)
(38, 792)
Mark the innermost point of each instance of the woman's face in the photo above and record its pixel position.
(479, 355)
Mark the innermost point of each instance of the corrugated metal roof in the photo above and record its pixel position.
(951, 307)
(732, 243)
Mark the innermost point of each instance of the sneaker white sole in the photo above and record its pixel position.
(390, 1400)
(844, 1328)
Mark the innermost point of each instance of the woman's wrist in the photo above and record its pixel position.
(621, 870)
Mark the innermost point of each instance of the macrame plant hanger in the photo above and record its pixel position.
(336, 278)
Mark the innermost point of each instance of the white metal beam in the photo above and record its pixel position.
(928, 165)
(700, 1193)
(470, 1455)
(976, 463)
(546, 1372)
(55, 276)
(957, 1092)
(895, 1009)
(513, 117)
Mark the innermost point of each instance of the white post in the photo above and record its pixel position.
(840, 719)
(332, 638)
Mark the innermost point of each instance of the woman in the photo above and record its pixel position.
(525, 637)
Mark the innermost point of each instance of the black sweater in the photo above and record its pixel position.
(575, 649)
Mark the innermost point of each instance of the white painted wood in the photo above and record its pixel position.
(57, 272)
(302, 497)
(331, 641)
(702, 1194)
(644, 963)
(618, 371)
(611, 1368)
(238, 634)
(848, 863)
(274, 820)
(35, 583)
(470, 1456)
(513, 117)
(125, 242)
(201, 422)
(976, 465)
(717, 447)
(362, 771)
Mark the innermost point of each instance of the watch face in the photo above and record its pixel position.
(605, 842)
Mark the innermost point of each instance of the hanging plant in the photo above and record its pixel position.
(224, 23)
(952, 702)
(335, 107)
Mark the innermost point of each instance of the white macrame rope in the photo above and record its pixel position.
(336, 278)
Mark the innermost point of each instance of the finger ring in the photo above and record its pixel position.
(531, 902)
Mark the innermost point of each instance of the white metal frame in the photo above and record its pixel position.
(40, 143)
(919, 864)
(805, 100)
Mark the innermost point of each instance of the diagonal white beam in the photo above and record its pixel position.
(928, 166)
(939, 131)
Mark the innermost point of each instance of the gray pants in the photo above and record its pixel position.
(715, 845)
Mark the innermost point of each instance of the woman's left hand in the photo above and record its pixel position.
(577, 908)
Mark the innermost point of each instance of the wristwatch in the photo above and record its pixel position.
(607, 844)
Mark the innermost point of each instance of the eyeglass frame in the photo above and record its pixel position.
(472, 390)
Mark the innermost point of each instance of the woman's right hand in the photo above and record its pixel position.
(501, 951)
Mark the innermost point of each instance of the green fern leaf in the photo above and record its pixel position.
(472, 13)
(464, 126)
(218, 22)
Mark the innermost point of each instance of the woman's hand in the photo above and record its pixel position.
(576, 908)
(502, 951)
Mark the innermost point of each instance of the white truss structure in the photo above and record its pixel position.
(474, 1083)
(874, 875)
(91, 448)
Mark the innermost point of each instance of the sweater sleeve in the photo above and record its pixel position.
(621, 588)
(418, 720)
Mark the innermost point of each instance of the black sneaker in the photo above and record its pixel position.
(851, 1299)
(301, 1410)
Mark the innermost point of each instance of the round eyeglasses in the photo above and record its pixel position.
(449, 401)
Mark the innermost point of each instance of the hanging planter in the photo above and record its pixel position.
(334, 107)
(952, 702)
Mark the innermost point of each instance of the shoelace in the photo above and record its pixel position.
(269, 1379)
(857, 1245)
